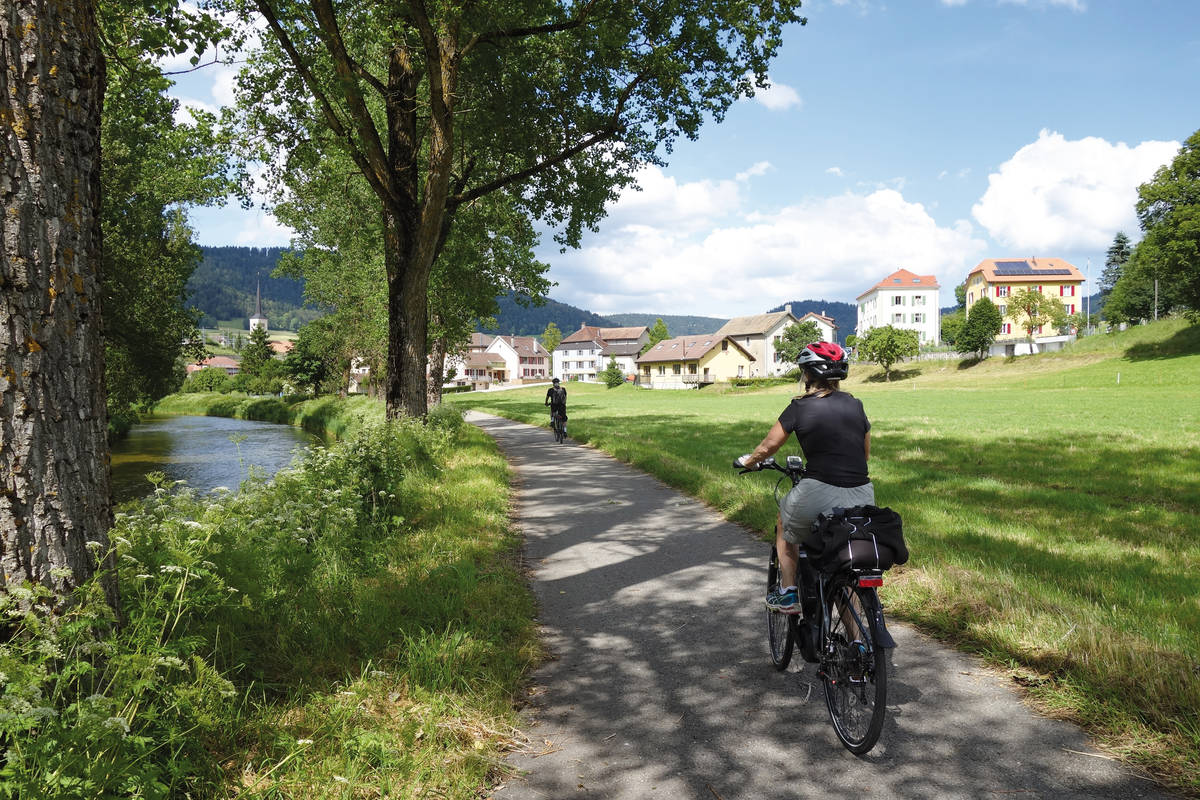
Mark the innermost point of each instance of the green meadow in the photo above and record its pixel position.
(1050, 505)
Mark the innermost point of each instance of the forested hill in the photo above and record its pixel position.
(223, 286)
(844, 314)
(676, 325)
(517, 320)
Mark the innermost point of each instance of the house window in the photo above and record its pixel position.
(724, 344)
(677, 368)
(691, 369)
(1007, 328)
(662, 369)
(1066, 291)
(1002, 309)
(1071, 308)
(918, 317)
(898, 300)
(741, 370)
(919, 300)
(1002, 291)
(897, 318)
(646, 370)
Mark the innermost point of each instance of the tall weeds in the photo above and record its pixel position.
(247, 612)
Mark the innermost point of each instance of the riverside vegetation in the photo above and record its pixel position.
(357, 627)
(1049, 504)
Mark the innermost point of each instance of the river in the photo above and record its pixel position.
(201, 451)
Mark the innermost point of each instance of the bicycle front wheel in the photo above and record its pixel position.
(781, 628)
(854, 668)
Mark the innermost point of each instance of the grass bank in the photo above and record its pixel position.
(327, 417)
(1050, 506)
(358, 627)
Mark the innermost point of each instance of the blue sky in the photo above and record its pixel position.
(924, 134)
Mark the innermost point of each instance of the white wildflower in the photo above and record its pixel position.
(304, 741)
(169, 661)
(340, 779)
(117, 722)
(171, 568)
(93, 545)
(191, 523)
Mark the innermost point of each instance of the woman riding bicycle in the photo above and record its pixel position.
(834, 434)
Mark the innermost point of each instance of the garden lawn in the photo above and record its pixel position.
(1050, 505)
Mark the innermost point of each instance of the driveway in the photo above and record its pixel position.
(659, 683)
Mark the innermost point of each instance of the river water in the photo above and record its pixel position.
(201, 451)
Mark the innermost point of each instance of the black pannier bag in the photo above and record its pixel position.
(862, 537)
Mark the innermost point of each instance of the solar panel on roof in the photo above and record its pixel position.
(1051, 272)
(1013, 268)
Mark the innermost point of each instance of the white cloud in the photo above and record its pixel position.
(778, 97)
(825, 247)
(183, 114)
(261, 229)
(662, 202)
(1061, 195)
(759, 168)
(834, 171)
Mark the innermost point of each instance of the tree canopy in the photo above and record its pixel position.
(657, 332)
(982, 326)
(887, 345)
(1114, 262)
(557, 105)
(1168, 210)
(1033, 310)
(796, 337)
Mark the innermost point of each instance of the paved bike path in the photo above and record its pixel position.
(659, 683)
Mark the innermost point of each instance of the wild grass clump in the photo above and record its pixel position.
(358, 621)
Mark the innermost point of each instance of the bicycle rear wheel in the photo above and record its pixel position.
(854, 668)
(781, 628)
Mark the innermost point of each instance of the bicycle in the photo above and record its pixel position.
(841, 629)
(558, 426)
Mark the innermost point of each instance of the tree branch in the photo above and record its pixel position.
(328, 111)
(536, 30)
(364, 123)
(609, 130)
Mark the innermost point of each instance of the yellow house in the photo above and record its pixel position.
(687, 361)
(1000, 278)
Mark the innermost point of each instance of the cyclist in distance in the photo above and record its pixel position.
(834, 434)
(556, 398)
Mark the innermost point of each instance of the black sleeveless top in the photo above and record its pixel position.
(832, 432)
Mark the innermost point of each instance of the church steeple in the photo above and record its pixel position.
(258, 320)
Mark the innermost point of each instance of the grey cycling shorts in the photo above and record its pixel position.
(808, 498)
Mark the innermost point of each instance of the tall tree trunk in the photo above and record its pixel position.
(408, 305)
(437, 370)
(54, 473)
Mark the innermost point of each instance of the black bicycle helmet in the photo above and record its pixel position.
(825, 360)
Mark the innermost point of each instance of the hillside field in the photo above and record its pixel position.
(1050, 505)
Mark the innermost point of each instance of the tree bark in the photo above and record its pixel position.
(437, 370)
(55, 506)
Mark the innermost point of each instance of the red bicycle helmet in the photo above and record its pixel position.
(825, 360)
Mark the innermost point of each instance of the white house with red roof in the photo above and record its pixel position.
(492, 360)
(584, 354)
(903, 300)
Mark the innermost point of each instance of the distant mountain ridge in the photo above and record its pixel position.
(844, 315)
(223, 288)
(676, 325)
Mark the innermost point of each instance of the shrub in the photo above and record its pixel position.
(227, 598)
(209, 379)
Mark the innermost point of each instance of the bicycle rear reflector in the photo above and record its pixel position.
(871, 580)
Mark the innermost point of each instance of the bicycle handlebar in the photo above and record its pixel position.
(794, 469)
